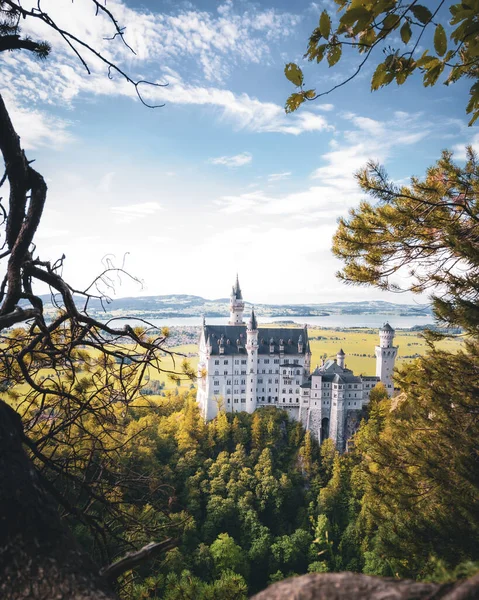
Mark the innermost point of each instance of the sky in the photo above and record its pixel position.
(219, 180)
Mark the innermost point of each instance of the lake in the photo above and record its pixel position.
(372, 321)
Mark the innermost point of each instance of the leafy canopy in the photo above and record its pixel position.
(368, 26)
(428, 231)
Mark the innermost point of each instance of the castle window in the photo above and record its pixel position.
(295, 361)
(270, 381)
(217, 372)
(228, 382)
(216, 383)
(226, 372)
(243, 399)
(297, 391)
(290, 391)
(276, 361)
(276, 380)
(266, 361)
(243, 362)
(216, 392)
(284, 371)
(260, 380)
(217, 362)
(236, 400)
(228, 391)
(229, 401)
(297, 381)
(263, 371)
(236, 362)
(236, 382)
(298, 372)
(270, 371)
(243, 381)
(225, 362)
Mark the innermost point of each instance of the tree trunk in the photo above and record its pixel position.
(39, 559)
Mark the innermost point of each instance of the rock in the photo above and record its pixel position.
(353, 586)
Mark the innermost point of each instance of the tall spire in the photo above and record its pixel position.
(253, 323)
(237, 289)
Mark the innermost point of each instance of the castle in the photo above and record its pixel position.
(243, 367)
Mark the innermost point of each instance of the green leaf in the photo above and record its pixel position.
(440, 40)
(406, 32)
(474, 118)
(355, 14)
(334, 54)
(432, 74)
(320, 52)
(427, 62)
(401, 76)
(294, 74)
(294, 102)
(391, 22)
(377, 79)
(422, 13)
(325, 24)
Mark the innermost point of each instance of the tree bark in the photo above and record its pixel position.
(39, 559)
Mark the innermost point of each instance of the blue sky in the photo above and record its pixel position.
(220, 179)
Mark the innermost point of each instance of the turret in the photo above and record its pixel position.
(340, 357)
(236, 305)
(386, 356)
(252, 351)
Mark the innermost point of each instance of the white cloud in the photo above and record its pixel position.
(238, 160)
(324, 107)
(61, 82)
(279, 176)
(369, 140)
(460, 149)
(133, 212)
(216, 42)
(35, 127)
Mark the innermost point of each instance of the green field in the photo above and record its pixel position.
(358, 344)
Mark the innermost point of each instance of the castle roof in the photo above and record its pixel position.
(237, 290)
(234, 338)
(333, 373)
(341, 353)
(253, 323)
(386, 327)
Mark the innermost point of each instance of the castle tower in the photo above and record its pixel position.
(340, 357)
(385, 357)
(252, 374)
(236, 305)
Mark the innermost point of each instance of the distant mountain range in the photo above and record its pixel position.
(183, 305)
